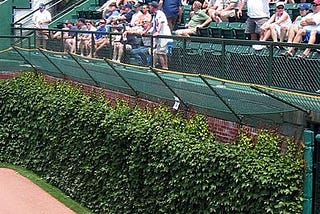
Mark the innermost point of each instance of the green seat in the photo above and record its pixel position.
(229, 32)
(185, 14)
(240, 31)
(203, 32)
(216, 31)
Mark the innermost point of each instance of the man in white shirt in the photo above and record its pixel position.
(40, 20)
(160, 27)
(258, 13)
(309, 26)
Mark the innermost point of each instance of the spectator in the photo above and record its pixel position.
(141, 53)
(258, 14)
(69, 44)
(100, 38)
(127, 15)
(290, 31)
(40, 20)
(117, 43)
(146, 14)
(82, 37)
(173, 11)
(159, 27)
(227, 11)
(137, 17)
(112, 13)
(314, 39)
(198, 20)
(58, 34)
(272, 27)
(87, 40)
(129, 42)
(213, 6)
(310, 23)
(105, 7)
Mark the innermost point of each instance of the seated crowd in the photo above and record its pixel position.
(128, 21)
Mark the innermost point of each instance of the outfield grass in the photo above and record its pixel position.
(53, 191)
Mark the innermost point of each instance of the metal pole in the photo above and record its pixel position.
(115, 70)
(271, 53)
(279, 99)
(25, 59)
(97, 84)
(308, 177)
(223, 60)
(172, 91)
(220, 98)
(41, 51)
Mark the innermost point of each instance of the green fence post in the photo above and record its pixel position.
(308, 178)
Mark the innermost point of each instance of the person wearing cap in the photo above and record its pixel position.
(137, 17)
(100, 38)
(82, 37)
(41, 18)
(272, 27)
(173, 11)
(309, 26)
(141, 53)
(291, 31)
(258, 13)
(199, 20)
(105, 7)
(159, 26)
(111, 14)
(69, 44)
(126, 17)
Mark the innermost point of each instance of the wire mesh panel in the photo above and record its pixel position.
(203, 92)
(304, 101)
(248, 68)
(296, 73)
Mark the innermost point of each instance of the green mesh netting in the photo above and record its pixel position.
(203, 92)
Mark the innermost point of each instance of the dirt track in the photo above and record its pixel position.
(18, 195)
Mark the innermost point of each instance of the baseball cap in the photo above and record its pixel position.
(136, 5)
(112, 4)
(154, 4)
(102, 21)
(83, 20)
(128, 6)
(279, 3)
(68, 22)
(42, 5)
(304, 6)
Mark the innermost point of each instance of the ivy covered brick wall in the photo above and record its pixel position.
(122, 159)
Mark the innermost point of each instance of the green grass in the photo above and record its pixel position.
(53, 191)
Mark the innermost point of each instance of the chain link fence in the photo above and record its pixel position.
(214, 76)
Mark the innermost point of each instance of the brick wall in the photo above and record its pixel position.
(224, 131)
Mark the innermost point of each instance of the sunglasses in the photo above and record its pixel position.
(314, 5)
(280, 7)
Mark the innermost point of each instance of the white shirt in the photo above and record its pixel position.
(165, 29)
(258, 8)
(41, 19)
(316, 19)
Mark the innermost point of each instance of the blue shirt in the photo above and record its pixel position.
(101, 29)
(109, 16)
(171, 8)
